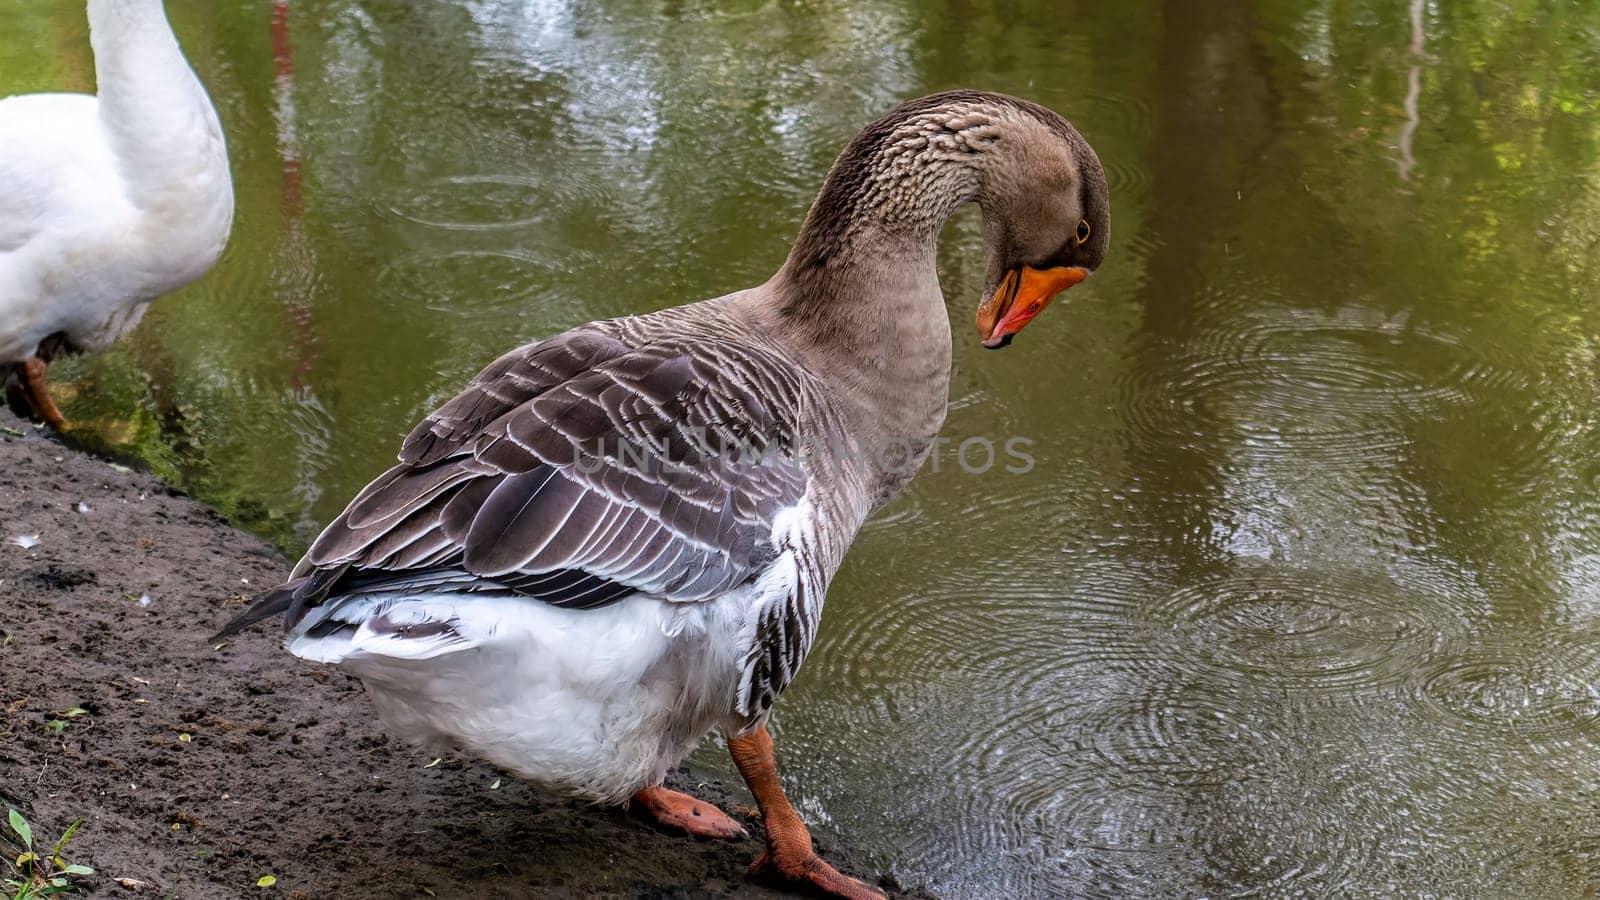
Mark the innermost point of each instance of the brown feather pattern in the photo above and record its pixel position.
(575, 471)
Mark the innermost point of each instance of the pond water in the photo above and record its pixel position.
(1303, 591)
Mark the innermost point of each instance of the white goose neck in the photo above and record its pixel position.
(155, 111)
(134, 49)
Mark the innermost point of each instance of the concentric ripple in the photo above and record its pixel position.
(469, 284)
(1350, 631)
(475, 202)
(1154, 778)
(1127, 175)
(1338, 385)
(1535, 691)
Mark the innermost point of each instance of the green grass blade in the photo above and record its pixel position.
(66, 836)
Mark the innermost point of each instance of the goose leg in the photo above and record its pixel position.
(682, 812)
(789, 855)
(37, 393)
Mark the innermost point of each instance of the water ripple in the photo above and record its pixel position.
(1338, 385)
(475, 202)
(1351, 631)
(1536, 691)
(490, 285)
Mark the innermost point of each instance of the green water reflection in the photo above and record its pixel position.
(1304, 591)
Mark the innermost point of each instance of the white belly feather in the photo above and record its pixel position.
(594, 703)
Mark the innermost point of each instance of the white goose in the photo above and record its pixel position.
(619, 538)
(106, 202)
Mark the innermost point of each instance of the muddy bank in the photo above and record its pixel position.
(198, 770)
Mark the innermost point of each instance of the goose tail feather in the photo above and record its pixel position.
(279, 601)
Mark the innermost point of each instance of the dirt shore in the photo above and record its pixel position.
(198, 769)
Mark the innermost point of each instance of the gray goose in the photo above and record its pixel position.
(620, 537)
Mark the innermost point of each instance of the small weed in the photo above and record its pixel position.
(58, 721)
(38, 874)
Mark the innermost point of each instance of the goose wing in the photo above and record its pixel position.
(576, 471)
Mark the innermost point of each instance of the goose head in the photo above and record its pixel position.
(859, 274)
(1047, 219)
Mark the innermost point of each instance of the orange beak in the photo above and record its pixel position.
(1021, 295)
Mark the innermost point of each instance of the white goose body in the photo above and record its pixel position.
(594, 704)
(108, 201)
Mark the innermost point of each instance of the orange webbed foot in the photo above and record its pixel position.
(681, 812)
(812, 871)
(790, 856)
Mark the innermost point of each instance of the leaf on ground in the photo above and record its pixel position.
(21, 827)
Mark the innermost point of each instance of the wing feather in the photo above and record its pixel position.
(575, 471)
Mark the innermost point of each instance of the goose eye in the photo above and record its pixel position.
(1083, 230)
